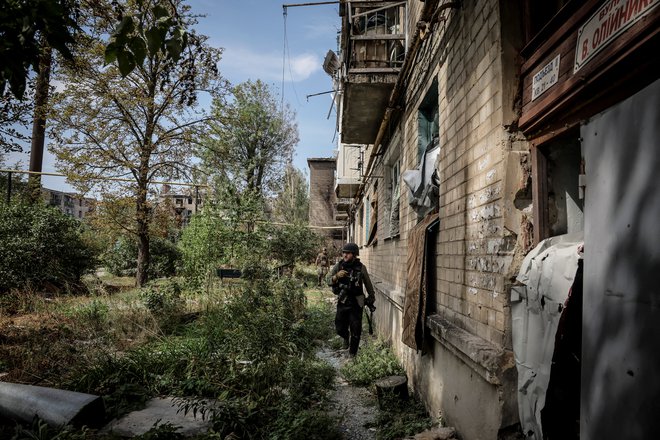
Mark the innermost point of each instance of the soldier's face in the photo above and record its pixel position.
(348, 256)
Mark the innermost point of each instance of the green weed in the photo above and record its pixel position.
(400, 419)
(372, 362)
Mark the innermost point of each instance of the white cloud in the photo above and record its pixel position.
(247, 63)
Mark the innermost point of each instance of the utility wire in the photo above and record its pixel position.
(284, 14)
(288, 58)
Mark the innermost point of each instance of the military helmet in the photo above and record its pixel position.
(352, 248)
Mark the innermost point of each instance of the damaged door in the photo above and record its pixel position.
(546, 316)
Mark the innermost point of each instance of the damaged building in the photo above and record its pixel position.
(498, 167)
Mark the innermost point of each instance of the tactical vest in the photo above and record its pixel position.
(354, 279)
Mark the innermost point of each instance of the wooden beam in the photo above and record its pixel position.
(540, 194)
(379, 37)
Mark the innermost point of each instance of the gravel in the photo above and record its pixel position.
(355, 407)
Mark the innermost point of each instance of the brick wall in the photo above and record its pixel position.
(322, 198)
(475, 253)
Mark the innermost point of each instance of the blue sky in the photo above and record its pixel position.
(252, 35)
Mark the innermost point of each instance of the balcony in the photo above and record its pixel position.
(373, 44)
(341, 216)
(349, 165)
(343, 204)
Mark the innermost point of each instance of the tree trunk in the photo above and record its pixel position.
(39, 123)
(143, 259)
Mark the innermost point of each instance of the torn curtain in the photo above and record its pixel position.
(414, 308)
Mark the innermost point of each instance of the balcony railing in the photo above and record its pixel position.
(376, 37)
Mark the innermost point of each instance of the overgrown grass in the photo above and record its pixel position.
(250, 347)
(400, 419)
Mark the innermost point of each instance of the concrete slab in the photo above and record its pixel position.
(161, 411)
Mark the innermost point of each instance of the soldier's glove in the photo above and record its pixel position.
(341, 274)
(369, 302)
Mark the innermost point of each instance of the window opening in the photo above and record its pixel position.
(428, 121)
(394, 177)
(565, 205)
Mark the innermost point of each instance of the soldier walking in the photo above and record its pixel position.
(322, 265)
(348, 279)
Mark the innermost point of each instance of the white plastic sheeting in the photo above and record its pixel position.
(423, 190)
(547, 273)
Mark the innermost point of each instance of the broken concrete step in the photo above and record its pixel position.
(158, 411)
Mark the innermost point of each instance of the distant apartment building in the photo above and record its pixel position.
(183, 203)
(72, 204)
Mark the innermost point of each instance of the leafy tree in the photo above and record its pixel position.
(251, 139)
(291, 205)
(26, 26)
(120, 258)
(294, 243)
(140, 126)
(138, 36)
(230, 231)
(40, 244)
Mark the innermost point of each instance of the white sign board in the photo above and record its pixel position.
(609, 21)
(545, 78)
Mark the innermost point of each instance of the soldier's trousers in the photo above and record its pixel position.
(348, 324)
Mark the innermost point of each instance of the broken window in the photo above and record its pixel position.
(367, 219)
(538, 14)
(428, 121)
(393, 191)
(373, 219)
(558, 197)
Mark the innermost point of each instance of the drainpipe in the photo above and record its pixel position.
(430, 11)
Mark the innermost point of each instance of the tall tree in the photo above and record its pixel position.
(291, 205)
(141, 124)
(251, 138)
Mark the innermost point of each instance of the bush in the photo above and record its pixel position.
(373, 362)
(121, 259)
(165, 304)
(40, 244)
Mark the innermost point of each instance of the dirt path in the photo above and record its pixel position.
(355, 407)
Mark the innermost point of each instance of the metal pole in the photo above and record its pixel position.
(8, 187)
(293, 5)
(112, 179)
(317, 94)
